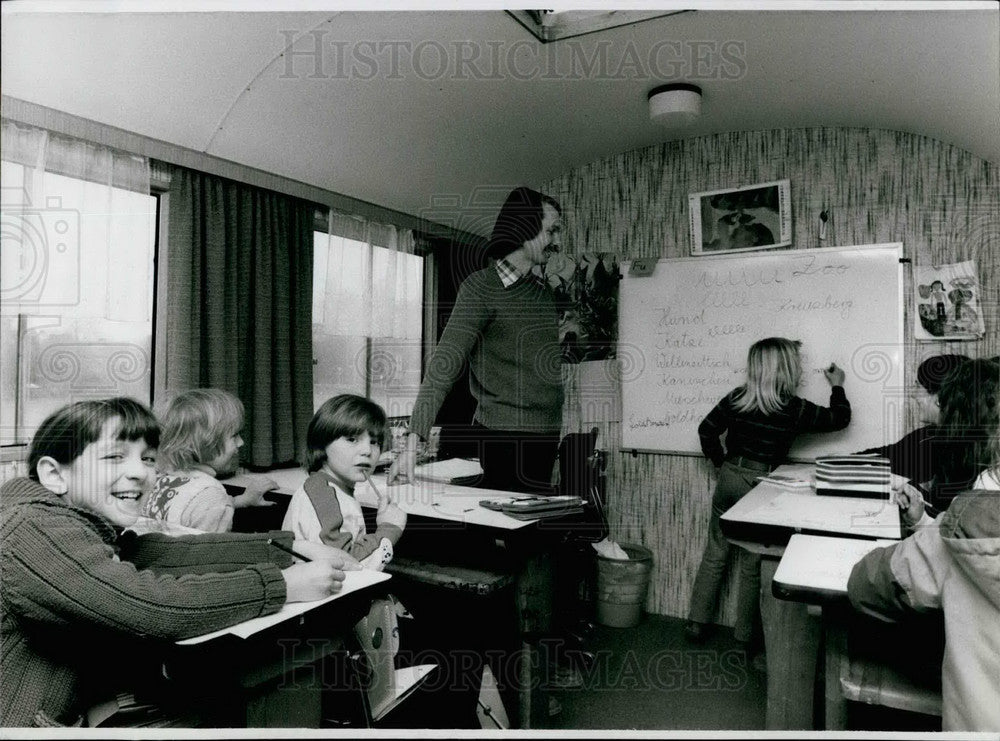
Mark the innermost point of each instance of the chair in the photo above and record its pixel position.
(581, 473)
(853, 676)
(383, 686)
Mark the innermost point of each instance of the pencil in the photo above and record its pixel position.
(372, 485)
(286, 549)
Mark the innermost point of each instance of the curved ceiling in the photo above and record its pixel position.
(426, 111)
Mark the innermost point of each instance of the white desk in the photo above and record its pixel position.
(764, 521)
(444, 515)
(431, 499)
(271, 671)
(815, 570)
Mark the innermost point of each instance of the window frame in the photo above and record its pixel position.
(423, 247)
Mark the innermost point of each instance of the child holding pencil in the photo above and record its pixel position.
(81, 602)
(760, 420)
(343, 444)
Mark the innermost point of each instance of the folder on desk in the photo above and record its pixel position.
(534, 508)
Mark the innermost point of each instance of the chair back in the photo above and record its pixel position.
(581, 474)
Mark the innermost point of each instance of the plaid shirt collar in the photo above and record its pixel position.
(509, 274)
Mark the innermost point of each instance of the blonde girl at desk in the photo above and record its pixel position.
(760, 420)
(201, 440)
(86, 609)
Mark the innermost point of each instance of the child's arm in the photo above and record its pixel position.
(814, 418)
(255, 486)
(206, 553)
(891, 582)
(57, 569)
(710, 433)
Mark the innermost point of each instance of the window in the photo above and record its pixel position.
(76, 264)
(367, 322)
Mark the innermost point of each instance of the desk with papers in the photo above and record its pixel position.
(765, 521)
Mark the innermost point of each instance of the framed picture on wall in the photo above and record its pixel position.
(755, 217)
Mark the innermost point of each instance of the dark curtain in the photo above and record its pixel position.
(239, 303)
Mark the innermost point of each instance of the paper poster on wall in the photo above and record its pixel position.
(947, 302)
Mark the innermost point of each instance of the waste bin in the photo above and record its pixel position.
(622, 585)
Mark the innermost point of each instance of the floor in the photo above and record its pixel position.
(650, 678)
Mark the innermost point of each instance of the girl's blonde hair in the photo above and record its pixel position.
(774, 370)
(195, 427)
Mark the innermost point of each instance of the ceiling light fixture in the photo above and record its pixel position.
(552, 25)
(676, 104)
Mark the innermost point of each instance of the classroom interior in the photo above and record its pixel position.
(390, 139)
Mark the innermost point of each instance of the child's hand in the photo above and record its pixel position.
(305, 582)
(256, 488)
(908, 498)
(401, 470)
(320, 552)
(834, 375)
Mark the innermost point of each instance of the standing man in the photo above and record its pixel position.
(505, 325)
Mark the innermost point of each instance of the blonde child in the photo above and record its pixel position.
(81, 603)
(201, 440)
(760, 420)
(343, 444)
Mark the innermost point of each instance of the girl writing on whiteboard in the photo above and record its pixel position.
(759, 419)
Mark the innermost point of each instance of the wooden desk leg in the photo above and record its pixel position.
(835, 653)
(791, 639)
(533, 594)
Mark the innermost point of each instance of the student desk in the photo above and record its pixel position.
(271, 671)
(814, 570)
(763, 521)
(447, 526)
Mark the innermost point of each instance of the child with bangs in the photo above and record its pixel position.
(343, 443)
(759, 420)
(78, 591)
(200, 441)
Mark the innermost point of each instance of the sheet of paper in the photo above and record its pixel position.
(869, 518)
(447, 470)
(354, 581)
(441, 501)
(822, 562)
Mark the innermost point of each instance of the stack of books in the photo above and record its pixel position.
(865, 476)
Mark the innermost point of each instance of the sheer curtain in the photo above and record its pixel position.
(368, 291)
(77, 275)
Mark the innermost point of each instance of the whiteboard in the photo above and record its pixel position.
(685, 330)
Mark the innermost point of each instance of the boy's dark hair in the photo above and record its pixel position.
(66, 432)
(341, 416)
(932, 371)
(520, 219)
